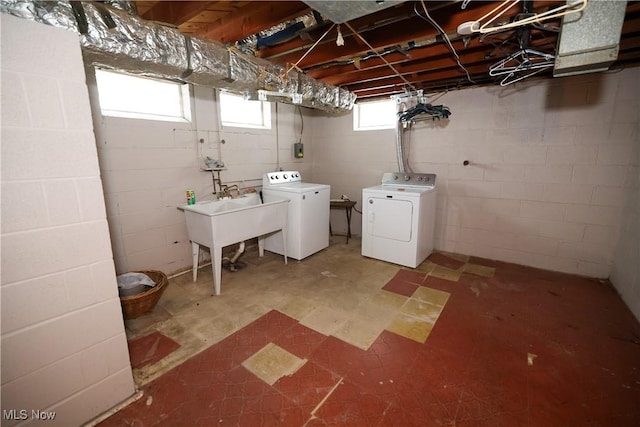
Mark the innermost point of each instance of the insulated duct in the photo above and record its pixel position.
(589, 41)
(114, 39)
(340, 11)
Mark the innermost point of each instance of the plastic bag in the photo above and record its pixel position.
(132, 280)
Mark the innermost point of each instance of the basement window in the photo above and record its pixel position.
(237, 111)
(374, 115)
(124, 95)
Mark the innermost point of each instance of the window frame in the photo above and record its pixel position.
(265, 112)
(182, 97)
(358, 112)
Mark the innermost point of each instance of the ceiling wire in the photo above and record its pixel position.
(301, 123)
(557, 12)
(438, 96)
(310, 49)
(444, 35)
(381, 57)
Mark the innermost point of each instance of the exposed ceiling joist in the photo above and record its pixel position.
(175, 13)
(400, 32)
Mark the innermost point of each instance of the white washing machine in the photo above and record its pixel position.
(398, 218)
(308, 222)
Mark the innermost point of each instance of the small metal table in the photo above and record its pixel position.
(347, 205)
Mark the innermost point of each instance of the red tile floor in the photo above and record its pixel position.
(523, 348)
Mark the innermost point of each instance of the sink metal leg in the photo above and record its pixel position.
(261, 246)
(195, 252)
(216, 266)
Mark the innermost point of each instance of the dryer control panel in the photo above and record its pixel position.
(409, 179)
(281, 177)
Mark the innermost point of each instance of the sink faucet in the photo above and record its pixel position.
(225, 190)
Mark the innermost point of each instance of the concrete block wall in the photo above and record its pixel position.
(551, 164)
(148, 165)
(64, 347)
(625, 273)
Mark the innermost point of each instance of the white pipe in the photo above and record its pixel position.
(239, 252)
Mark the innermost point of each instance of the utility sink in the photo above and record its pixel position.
(219, 223)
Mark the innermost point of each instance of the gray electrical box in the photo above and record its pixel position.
(589, 40)
(298, 150)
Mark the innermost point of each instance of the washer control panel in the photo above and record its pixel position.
(409, 179)
(281, 177)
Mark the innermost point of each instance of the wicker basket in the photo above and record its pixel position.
(136, 305)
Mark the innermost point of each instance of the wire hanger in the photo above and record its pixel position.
(429, 111)
(528, 62)
(523, 60)
(503, 7)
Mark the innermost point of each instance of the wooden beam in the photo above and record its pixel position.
(382, 34)
(430, 58)
(253, 18)
(175, 12)
(452, 73)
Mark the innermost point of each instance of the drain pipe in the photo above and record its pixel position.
(400, 146)
(239, 252)
(234, 258)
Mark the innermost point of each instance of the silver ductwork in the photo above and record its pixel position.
(114, 39)
(341, 11)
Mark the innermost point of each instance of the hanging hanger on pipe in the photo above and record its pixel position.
(515, 76)
(476, 27)
(425, 111)
(525, 62)
(522, 64)
(522, 60)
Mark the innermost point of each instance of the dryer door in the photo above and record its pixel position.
(389, 218)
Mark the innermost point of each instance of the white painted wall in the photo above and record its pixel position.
(148, 165)
(551, 167)
(552, 163)
(63, 342)
(625, 273)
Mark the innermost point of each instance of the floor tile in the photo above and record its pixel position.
(325, 320)
(297, 307)
(389, 300)
(479, 270)
(359, 332)
(446, 261)
(349, 405)
(300, 340)
(410, 327)
(446, 273)
(411, 276)
(272, 362)
(337, 356)
(426, 266)
(469, 368)
(432, 296)
(308, 386)
(400, 287)
(150, 349)
(421, 310)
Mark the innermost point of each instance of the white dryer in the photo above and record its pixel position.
(308, 213)
(398, 218)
